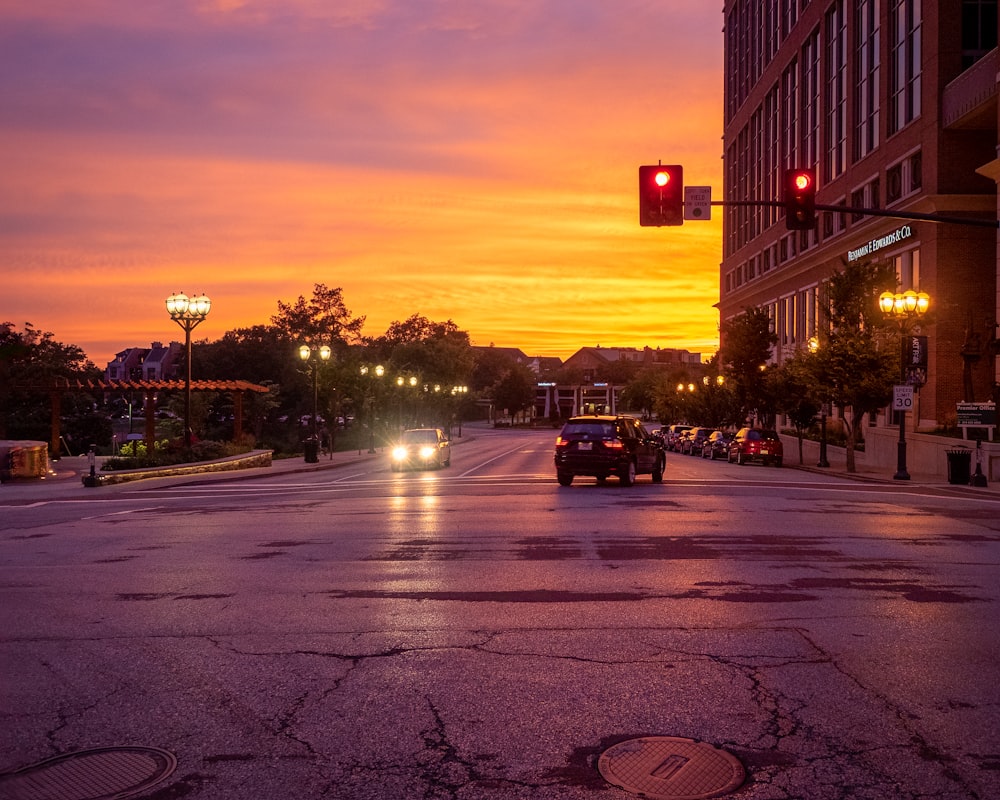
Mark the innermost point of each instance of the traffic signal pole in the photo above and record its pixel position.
(872, 212)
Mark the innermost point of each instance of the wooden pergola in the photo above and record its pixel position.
(149, 388)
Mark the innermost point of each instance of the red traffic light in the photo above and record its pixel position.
(661, 195)
(800, 199)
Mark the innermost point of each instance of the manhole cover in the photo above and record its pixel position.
(104, 773)
(669, 768)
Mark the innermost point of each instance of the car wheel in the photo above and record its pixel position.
(661, 465)
(564, 478)
(777, 461)
(627, 474)
(740, 459)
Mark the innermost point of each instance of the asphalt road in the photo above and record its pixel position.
(481, 632)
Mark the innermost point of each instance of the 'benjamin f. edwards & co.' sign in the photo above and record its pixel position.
(872, 247)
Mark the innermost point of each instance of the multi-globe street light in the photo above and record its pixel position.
(824, 411)
(371, 373)
(903, 308)
(188, 312)
(313, 356)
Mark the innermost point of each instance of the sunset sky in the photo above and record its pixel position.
(459, 159)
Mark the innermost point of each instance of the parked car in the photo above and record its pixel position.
(754, 444)
(422, 448)
(673, 435)
(716, 445)
(603, 445)
(696, 437)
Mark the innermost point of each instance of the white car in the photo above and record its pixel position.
(422, 448)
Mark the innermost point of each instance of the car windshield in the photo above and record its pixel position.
(419, 437)
(589, 429)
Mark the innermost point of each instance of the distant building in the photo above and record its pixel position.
(153, 363)
(590, 360)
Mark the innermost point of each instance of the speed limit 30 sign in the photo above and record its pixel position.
(902, 398)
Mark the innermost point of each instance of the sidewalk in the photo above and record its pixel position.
(837, 459)
(65, 478)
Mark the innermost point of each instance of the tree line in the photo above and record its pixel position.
(432, 375)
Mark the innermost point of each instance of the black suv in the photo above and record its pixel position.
(608, 445)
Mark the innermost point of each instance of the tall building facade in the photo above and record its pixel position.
(893, 103)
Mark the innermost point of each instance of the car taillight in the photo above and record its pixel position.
(560, 442)
(613, 444)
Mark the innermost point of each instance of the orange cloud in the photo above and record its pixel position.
(455, 163)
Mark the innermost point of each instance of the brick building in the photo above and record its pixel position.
(893, 103)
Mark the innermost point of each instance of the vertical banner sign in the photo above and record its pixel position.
(915, 359)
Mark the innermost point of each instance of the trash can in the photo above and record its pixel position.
(312, 453)
(959, 463)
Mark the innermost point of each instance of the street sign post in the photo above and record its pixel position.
(902, 398)
(697, 202)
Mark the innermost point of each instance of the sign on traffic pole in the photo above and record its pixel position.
(697, 202)
(902, 398)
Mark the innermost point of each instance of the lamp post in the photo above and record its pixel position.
(188, 312)
(824, 412)
(458, 392)
(401, 383)
(377, 371)
(313, 357)
(903, 307)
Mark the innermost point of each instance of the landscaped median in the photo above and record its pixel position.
(253, 459)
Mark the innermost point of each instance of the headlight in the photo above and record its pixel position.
(427, 452)
(399, 454)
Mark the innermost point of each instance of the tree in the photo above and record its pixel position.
(640, 393)
(515, 391)
(30, 362)
(855, 363)
(745, 350)
(323, 319)
(438, 355)
(796, 388)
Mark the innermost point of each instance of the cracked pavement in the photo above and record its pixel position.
(464, 641)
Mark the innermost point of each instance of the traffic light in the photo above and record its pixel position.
(800, 199)
(661, 195)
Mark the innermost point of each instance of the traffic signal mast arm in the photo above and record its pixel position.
(872, 212)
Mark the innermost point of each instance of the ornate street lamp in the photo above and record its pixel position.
(313, 357)
(903, 308)
(188, 312)
(377, 371)
(824, 411)
(458, 391)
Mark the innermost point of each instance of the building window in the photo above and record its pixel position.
(916, 172)
(836, 91)
(858, 202)
(893, 183)
(904, 62)
(809, 100)
(789, 16)
(908, 269)
(979, 30)
(902, 179)
(790, 115)
(866, 70)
